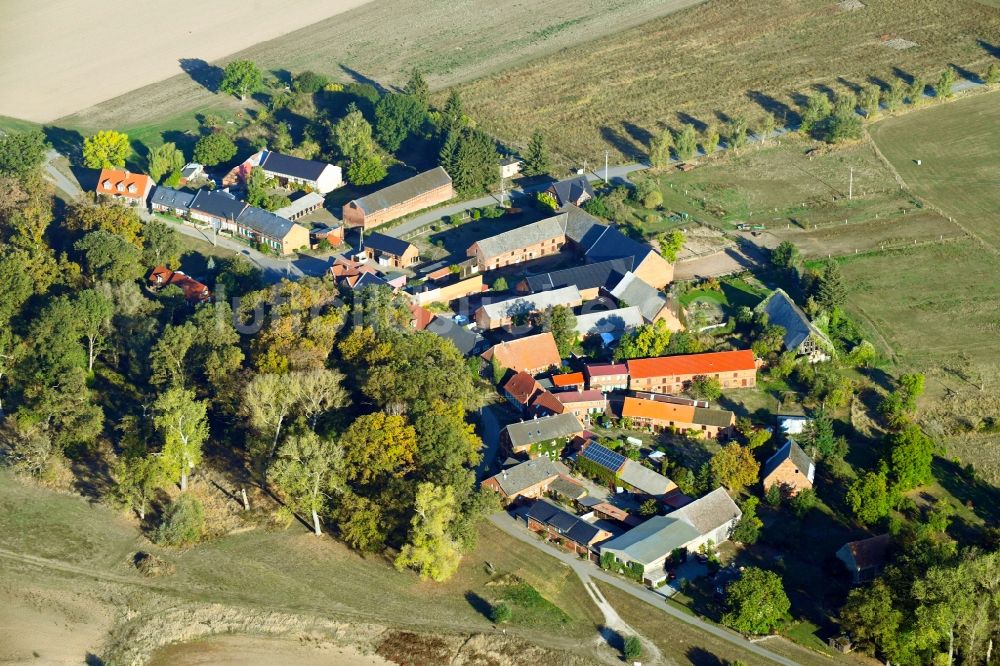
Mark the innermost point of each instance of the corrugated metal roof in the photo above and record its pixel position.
(403, 191)
(615, 322)
(529, 234)
(568, 296)
(543, 429)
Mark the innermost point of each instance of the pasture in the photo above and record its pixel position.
(959, 149)
(802, 193)
(719, 59)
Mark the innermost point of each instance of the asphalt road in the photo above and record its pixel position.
(587, 571)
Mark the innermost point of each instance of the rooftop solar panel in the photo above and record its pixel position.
(604, 457)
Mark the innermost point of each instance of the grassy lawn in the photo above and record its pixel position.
(717, 60)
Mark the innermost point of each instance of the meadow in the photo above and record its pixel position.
(723, 58)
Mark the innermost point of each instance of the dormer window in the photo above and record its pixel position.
(120, 187)
(106, 184)
(132, 188)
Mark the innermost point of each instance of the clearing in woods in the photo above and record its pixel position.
(723, 57)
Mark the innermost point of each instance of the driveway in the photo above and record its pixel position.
(588, 571)
(491, 419)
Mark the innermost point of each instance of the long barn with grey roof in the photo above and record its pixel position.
(801, 336)
(421, 191)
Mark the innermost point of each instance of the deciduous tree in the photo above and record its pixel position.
(107, 149)
(268, 400)
(561, 322)
(757, 601)
(645, 341)
(181, 420)
(396, 117)
(241, 77)
(21, 152)
(536, 157)
(93, 312)
(378, 445)
(214, 149)
(659, 149)
(686, 143)
(869, 497)
(160, 244)
(710, 141)
(308, 470)
(945, 84)
(430, 549)
(735, 467)
(165, 159)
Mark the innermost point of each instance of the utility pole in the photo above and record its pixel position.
(605, 167)
(850, 187)
(502, 189)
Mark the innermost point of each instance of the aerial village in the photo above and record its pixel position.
(564, 466)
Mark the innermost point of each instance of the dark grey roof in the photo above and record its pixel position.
(529, 234)
(790, 450)
(782, 311)
(387, 244)
(166, 196)
(581, 227)
(265, 222)
(570, 190)
(402, 191)
(296, 167)
(613, 244)
(587, 276)
(572, 527)
(467, 342)
(218, 204)
(539, 302)
(615, 322)
(719, 418)
(515, 479)
(632, 290)
(543, 429)
(567, 488)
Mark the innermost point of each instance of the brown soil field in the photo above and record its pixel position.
(233, 650)
(61, 56)
(722, 58)
(451, 41)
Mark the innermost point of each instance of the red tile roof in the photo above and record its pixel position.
(421, 317)
(569, 379)
(124, 184)
(692, 364)
(522, 387)
(533, 353)
(547, 403)
(161, 276)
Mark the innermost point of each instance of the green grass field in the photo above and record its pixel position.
(722, 58)
(959, 149)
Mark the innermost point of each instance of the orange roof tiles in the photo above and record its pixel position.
(161, 276)
(661, 411)
(421, 317)
(123, 184)
(522, 387)
(531, 353)
(570, 379)
(692, 364)
(545, 401)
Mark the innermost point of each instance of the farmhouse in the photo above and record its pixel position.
(615, 469)
(389, 251)
(174, 202)
(529, 436)
(583, 404)
(532, 354)
(567, 381)
(421, 191)
(519, 390)
(194, 291)
(576, 191)
(660, 415)
(517, 246)
(672, 374)
(789, 468)
(130, 188)
(289, 171)
(308, 203)
(801, 336)
(504, 313)
(529, 479)
(864, 559)
(574, 533)
(650, 545)
(265, 228)
(606, 376)
(217, 208)
(545, 403)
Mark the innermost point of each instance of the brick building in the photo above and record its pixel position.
(606, 376)
(129, 188)
(790, 467)
(533, 354)
(584, 405)
(571, 532)
(421, 191)
(660, 415)
(672, 374)
(539, 239)
(530, 479)
(389, 251)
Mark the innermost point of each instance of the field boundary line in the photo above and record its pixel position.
(902, 183)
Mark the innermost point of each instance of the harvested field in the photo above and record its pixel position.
(231, 650)
(959, 149)
(59, 57)
(722, 58)
(382, 41)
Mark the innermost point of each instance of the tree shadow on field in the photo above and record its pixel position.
(138, 161)
(640, 135)
(283, 75)
(702, 657)
(981, 497)
(203, 73)
(479, 604)
(850, 85)
(880, 82)
(185, 141)
(688, 119)
(358, 77)
(783, 113)
(967, 74)
(621, 143)
(825, 89)
(68, 142)
(903, 75)
(992, 49)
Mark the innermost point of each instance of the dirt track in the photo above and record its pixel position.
(60, 56)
